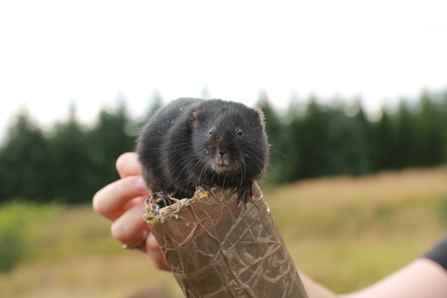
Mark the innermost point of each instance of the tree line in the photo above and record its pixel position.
(339, 139)
(71, 162)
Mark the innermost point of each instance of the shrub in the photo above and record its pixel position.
(17, 220)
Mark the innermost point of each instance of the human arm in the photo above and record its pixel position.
(424, 277)
(421, 278)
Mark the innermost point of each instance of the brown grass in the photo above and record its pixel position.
(350, 232)
(89, 276)
(344, 232)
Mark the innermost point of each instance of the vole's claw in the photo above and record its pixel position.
(205, 189)
(158, 198)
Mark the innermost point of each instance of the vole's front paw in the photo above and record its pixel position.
(245, 194)
(160, 199)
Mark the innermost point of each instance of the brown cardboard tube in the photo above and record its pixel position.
(218, 248)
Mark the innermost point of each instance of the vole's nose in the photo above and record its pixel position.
(222, 151)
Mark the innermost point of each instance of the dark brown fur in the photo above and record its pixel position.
(193, 143)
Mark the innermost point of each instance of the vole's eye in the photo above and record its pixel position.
(239, 132)
(211, 131)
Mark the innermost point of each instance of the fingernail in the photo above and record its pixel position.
(141, 185)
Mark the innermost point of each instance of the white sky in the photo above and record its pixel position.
(55, 52)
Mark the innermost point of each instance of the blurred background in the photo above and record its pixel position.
(355, 98)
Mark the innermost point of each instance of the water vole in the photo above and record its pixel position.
(193, 143)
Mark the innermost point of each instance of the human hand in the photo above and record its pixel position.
(122, 202)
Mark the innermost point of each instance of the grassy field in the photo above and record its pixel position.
(344, 232)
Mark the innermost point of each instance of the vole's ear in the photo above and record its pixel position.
(193, 118)
(260, 118)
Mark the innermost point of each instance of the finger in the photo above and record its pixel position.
(128, 165)
(154, 253)
(111, 201)
(131, 228)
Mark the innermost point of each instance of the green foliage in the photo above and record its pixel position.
(11, 243)
(314, 147)
(275, 131)
(405, 154)
(430, 132)
(338, 139)
(347, 143)
(382, 142)
(443, 210)
(17, 220)
(103, 145)
(28, 148)
(70, 164)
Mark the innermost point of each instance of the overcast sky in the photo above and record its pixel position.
(55, 52)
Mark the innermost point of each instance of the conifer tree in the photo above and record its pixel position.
(70, 161)
(364, 138)
(291, 163)
(347, 143)
(430, 137)
(25, 170)
(313, 141)
(105, 143)
(382, 142)
(275, 132)
(403, 151)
